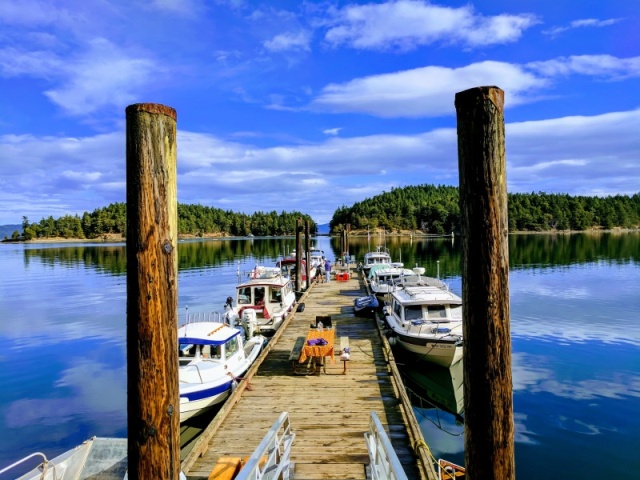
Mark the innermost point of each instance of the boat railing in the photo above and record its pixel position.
(272, 458)
(44, 463)
(385, 464)
(196, 317)
(195, 367)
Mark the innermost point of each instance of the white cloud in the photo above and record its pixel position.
(604, 66)
(103, 76)
(332, 131)
(33, 13)
(407, 24)
(426, 91)
(289, 41)
(592, 155)
(585, 22)
(429, 91)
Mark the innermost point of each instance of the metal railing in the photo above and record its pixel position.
(385, 464)
(272, 458)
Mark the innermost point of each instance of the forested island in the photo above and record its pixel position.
(193, 220)
(435, 210)
(427, 209)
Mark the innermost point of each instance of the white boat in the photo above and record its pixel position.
(97, 458)
(262, 302)
(316, 257)
(104, 458)
(384, 280)
(288, 268)
(427, 320)
(213, 356)
(380, 256)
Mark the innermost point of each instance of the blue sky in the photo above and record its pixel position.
(290, 105)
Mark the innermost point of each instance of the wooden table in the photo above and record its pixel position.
(319, 352)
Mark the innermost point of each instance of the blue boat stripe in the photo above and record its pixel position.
(209, 392)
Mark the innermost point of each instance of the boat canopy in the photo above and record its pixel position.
(206, 333)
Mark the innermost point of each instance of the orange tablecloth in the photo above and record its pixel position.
(319, 350)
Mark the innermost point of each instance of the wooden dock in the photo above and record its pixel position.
(329, 412)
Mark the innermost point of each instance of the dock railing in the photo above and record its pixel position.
(385, 464)
(272, 458)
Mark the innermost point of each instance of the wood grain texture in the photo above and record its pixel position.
(488, 399)
(153, 405)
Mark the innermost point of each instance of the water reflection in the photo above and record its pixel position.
(533, 251)
(432, 386)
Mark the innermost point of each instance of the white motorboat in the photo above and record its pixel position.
(316, 257)
(98, 457)
(262, 302)
(427, 320)
(384, 279)
(288, 268)
(213, 356)
(380, 256)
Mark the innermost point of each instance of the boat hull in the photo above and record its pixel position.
(192, 408)
(443, 352)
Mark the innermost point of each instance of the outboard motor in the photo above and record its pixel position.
(249, 321)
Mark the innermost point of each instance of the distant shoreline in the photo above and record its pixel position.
(116, 238)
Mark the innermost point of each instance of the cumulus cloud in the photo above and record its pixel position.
(428, 91)
(407, 24)
(422, 92)
(592, 155)
(332, 131)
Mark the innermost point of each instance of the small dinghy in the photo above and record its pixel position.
(366, 305)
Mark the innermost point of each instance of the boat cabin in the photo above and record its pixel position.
(196, 344)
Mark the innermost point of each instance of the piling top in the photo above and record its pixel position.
(492, 93)
(152, 108)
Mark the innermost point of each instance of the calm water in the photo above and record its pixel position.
(575, 315)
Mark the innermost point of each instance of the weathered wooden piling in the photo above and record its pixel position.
(153, 405)
(299, 255)
(488, 395)
(307, 249)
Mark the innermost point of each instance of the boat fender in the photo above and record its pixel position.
(393, 341)
(300, 307)
(234, 384)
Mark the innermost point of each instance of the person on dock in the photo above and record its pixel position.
(320, 275)
(327, 270)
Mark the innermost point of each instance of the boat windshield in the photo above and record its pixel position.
(244, 296)
(436, 312)
(276, 295)
(231, 347)
(413, 312)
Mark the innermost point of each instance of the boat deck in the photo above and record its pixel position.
(329, 412)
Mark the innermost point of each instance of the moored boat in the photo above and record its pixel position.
(386, 279)
(288, 268)
(213, 356)
(427, 320)
(380, 256)
(366, 305)
(98, 457)
(262, 302)
(450, 471)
